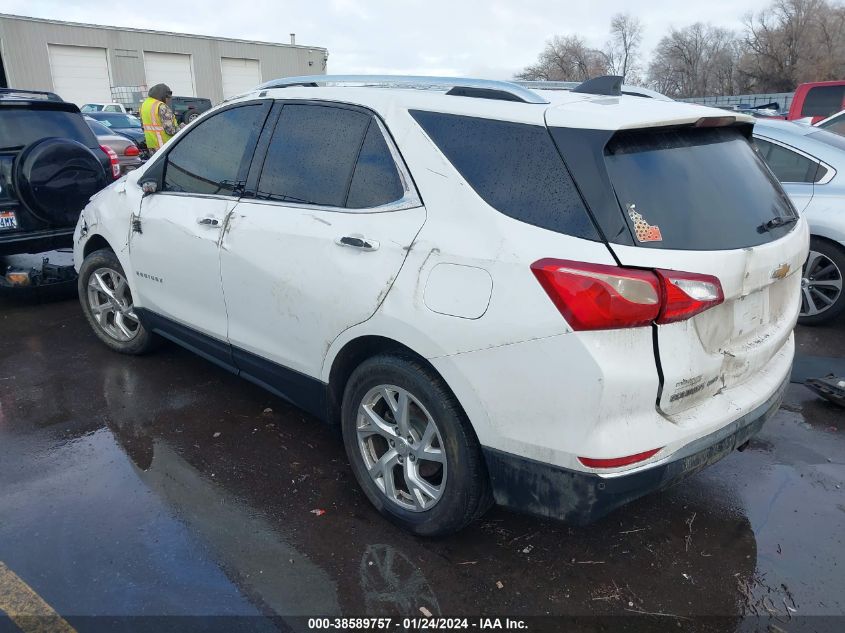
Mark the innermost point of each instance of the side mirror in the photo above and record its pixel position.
(149, 187)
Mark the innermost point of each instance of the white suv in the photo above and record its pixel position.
(557, 306)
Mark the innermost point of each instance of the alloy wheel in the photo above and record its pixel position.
(821, 284)
(402, 448)
(111, 305)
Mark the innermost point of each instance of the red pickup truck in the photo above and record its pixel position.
(818, 99)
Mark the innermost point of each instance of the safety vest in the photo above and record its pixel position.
(154, 132)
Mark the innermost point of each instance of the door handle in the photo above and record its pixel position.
(358, 242)
(208, 221)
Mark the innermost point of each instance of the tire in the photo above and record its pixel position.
(821, 282)
(55, 177)
(189, 115)
(429, 496)
(107, 304)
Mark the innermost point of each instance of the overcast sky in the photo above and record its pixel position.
(491, 39)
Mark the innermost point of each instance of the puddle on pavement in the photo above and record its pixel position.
(160, 485)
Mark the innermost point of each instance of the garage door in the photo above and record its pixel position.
(80, 73)
(173, 69)
(239, 75)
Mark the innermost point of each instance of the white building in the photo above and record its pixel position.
(86, 63)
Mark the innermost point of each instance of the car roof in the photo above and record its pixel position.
(563, 108)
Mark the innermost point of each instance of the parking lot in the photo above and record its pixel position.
(163, 486)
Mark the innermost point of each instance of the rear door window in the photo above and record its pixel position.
(787, 165)
(695, 189)
(823, 101)
(514, 167)
(312, 155)
(213, 158)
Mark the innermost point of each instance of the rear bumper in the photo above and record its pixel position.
(577, 497)
(35, 241)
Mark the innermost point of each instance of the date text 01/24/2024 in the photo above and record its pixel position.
(416, 624)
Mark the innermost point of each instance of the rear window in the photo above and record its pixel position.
(834, 124)
(98, 129)
(514, 167)
(695, 189)
(19, 127)
(828, 138)
(823, 101)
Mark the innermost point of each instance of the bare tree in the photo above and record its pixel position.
(696, 60)
(794, 41)
(566, 59)
(622, 50)
(789, 42)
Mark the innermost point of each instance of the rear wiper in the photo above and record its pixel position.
(775, 223)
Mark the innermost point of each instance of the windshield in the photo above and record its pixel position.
(696, 189)
(118, 120)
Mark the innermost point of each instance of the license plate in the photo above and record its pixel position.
(8, 220)
(713, 453)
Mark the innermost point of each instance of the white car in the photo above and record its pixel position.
(810, 164)
(103, 107)
(557, 307)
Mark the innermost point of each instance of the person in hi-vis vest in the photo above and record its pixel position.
(157, 117)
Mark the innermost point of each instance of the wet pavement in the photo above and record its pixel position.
(163, 486)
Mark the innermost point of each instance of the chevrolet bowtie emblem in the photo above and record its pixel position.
(780, 272)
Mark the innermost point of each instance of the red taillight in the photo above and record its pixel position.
(131, 150)
(687, 294)
(617, 462)
(602, 297)
(113, 159)
(599, 297)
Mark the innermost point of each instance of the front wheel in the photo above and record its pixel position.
(822, 298)
(108, 306)
(411, 447)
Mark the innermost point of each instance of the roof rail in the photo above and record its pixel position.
(18, 93)
(458, 86)
(542, 84)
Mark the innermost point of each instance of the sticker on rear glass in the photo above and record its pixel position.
(644, 231)
(8, 220)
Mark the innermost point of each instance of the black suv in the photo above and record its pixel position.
(187, 109)
(50, 165)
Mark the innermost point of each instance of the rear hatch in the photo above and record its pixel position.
(22, 124)
(694, 196)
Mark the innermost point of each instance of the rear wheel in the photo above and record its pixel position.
(108, 306)
(189, 116)
(822, 298)
(411, 447)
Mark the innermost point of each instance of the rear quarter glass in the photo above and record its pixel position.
(695, 189)
(513, 167)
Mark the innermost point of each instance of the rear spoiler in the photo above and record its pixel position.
(28, 95)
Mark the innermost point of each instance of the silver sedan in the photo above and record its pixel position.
(128, 153)
(810, 164)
